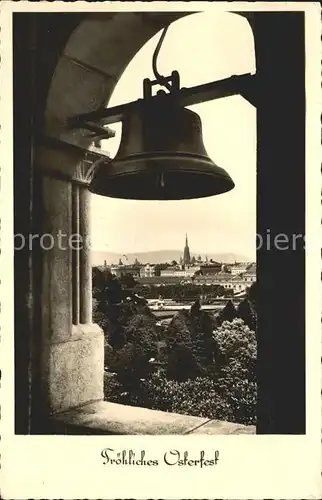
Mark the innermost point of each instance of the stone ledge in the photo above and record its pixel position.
(224, 428)
(103, 417)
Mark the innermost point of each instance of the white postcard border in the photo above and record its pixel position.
(254, 467)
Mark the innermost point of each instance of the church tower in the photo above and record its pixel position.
(186, 254)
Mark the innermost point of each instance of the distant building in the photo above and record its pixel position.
(238, 282)
(239, 268)
(116, 270)
(147, 271)
(161, 280)
(210, 268)
(171, 271)
(185, 272)
(122, 270)
(213, 279)
(250, 275)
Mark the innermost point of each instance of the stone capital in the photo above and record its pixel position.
(60, 160)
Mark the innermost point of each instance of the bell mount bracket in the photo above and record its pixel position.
(96, 121)
(172, 83)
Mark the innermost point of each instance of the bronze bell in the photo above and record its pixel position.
(161, 157)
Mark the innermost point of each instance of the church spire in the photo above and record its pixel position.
(186, 253)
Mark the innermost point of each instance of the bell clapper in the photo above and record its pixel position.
(162, 184)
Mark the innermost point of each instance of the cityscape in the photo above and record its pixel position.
(180, 336)
(235, 277)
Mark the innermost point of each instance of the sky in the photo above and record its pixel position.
(203, 48)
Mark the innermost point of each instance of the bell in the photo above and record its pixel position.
(161, 157)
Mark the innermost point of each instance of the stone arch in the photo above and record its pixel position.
(92, 61)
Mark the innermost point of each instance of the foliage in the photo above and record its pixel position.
(141, 332)
(228, 313)
(179, 330)
(113, 389)
(246, 312)
(192, 397)
(206, 369)
(178, 291)
(190, 344)
(114, 306)
(132, 359)
(235, 372)
(127, 281)
(180, 361)
(119, 360)
(129, 326)
(182, 364)
(252, 293)
(229, 395)
(203, 345)
(236, 341)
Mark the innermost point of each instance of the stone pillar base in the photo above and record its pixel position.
(76, 369)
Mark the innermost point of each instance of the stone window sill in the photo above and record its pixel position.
(103, 417)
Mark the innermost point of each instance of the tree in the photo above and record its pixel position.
(106, 287)
(203, 344)
(120, 360)
(252, 295)
(228, 313)
(197, 397)
(182, 364)
(141, 332)
(235, 374)
(131, 361)
(174, 263)
(114, 306)
(195, 308)
(179, 331)
(128, 281)
(247, 314)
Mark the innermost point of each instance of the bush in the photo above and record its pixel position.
(211, 375)
(236, 347)
(199, 397)
(192, 397)
(247, 313)
(228, 313)
(182, 364)
(112, 388)
(235, 371)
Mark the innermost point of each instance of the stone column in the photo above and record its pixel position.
(72, 350)
(75, 254)
(85, 268)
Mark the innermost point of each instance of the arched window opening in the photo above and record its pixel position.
(161, 328)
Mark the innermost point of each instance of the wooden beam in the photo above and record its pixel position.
(235, 85)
